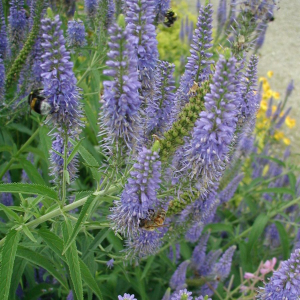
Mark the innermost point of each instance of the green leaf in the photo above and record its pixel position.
(74, 151)
(20, 127)
(8, 255)
(32, 172)
(38, 290)
(59, 154)
(84, 214)
(72, 260)
(19, 267)
(42, 261)
(256, 231)
(147, 267)
(284, 240)
(10, 213)
(26, 188)
(28, 233)
(219, 227)
(5, 148)
(56, 245)
(89, 159)
(101, 235)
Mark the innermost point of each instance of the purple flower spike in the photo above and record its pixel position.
(198, 66)
(91, 7)
(198, 255)
(121, 97)
(139, 194)
(61, 91)
(201, 298)
(221, 14)
(289, 89)
(160, 105)
(285, 282)
(3, 34)
(6, 198)
(127, 297)
(161, 8)
(140, 18)
(58, 78)
(70, 296)
(17, 23)
(76, 34)
(198, 5)
(222, 268)
(177, 280)
(143, 243)
(2, 80)
(182, 295)
(227, 193)
(209, 262)
(213, 132)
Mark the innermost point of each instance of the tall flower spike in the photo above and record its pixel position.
(161, 8)
(3, 34)
(209, 262)
(177, 280)
(197, 68)
(2, 81)
(17, 23)
(227, 193)
(121, 97)
(198, 255)
(140, 18)
(223, 266)
(91, 7)
(221, 16)
(213, 133)
(285, 282)
(61, 91)
(143, 243)
(160, 105)
(139, 194)
(76, 34)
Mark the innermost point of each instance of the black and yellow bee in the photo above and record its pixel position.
(38, 102)
(170, 18)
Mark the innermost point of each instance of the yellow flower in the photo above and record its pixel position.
(274, 108)
(80, 6)
(276, 95)
(264, 105)
(290, 122)
(287, 141)
(263, 79)
(278, 135)
(270, 74)
(269, 94)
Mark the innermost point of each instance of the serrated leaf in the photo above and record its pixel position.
(219, 227)
(74, 151)
(284, 240)
(89, 159)
(42, 261)
(28, 233)
(101, 235)
(18, 270)
(8, 255)
(84, 213)
(256, 230)
(56, 245)
(26, 188)
(73, 261)
(31, 172)
(9, 212)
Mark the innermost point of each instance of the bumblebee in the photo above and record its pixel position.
(154, 220)
(38, 102)
(170, 18)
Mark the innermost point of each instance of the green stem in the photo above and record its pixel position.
(6, 168)
(64, 179)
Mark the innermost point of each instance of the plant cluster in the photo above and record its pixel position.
(119, 183)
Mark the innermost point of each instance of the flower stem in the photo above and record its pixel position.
(65, 171)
